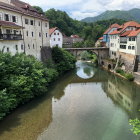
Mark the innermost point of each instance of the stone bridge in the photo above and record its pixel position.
(101, 52)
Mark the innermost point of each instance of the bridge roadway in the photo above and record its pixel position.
(99, 48)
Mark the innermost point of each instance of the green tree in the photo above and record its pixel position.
(39, 9)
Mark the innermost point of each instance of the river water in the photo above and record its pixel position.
(85, 104)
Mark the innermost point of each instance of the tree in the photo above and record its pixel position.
(39, 9)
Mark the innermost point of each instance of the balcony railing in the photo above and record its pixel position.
(10, 37)
(123, 41)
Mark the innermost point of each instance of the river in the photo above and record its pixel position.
(85, 104)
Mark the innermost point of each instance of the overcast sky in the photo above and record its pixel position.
(80, 9)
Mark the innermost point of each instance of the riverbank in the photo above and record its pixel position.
(24, 78)
(136, 80)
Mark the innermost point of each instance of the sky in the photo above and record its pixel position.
(79, 9)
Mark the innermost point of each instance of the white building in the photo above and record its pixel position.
(126, 39)
(22, 28)
(56, 38)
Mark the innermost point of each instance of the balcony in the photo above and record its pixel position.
(10, 37)
(123, 40)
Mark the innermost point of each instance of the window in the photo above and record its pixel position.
(32, 34)
(16, 47)
(39, 34)
(54, 39)
(58, 39)
(1, 18)
(26, 21)
(129, 38)
(7, 49)
(22, 48)
(133, 38)
(28, 46)
(46, 24)
(6, 17)
(129, 47)
(33, 46)
(54, 33)
(39, 23)
(14, 19)
(46, 35)
(15, 32)
(123, 46)
(57, 33)
(133, 47)
(27, 33)
(31, 22)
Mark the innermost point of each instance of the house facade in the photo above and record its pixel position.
(106, 38)
(22, 28)
(56, 38)
(125, 45)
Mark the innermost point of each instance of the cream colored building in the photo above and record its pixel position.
(22, 28)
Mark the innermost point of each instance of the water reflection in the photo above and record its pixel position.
(86, 104)
(84, 70)
(125, 94)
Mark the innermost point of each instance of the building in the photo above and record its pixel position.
(56, 37)
(76, 38)
(100, 43)
(67, 41)
(106, 39)
(70, 41)
(125, 44)
(22, 28)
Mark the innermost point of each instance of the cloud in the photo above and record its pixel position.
(80, 9)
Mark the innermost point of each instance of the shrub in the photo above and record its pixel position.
(22, 78)
(136, 126)
(120, 71)
(129, 76)
(63, 60)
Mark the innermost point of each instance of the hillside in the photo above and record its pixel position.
(133, 14)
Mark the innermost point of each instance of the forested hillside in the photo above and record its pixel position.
(89, 31)
(133, 14)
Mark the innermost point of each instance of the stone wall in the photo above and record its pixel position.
(46, 54)
(128, 60)
(107, 64)
(137, 77)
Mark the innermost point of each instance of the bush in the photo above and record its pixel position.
(136, 126)
(22, 78)
(120, 71)
(63, 60)
(129, 76)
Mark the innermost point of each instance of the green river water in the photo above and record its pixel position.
(85, 104)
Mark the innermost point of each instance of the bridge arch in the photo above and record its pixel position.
(101, 52)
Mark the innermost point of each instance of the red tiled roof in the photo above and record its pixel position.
(124, 26)
(126, 33)
(75, 36)
(134, 33)
(23, 8)
(9, 24)
(101, 38)
(112, 26)
(129, 24)
(52, 30)
(115, 32)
